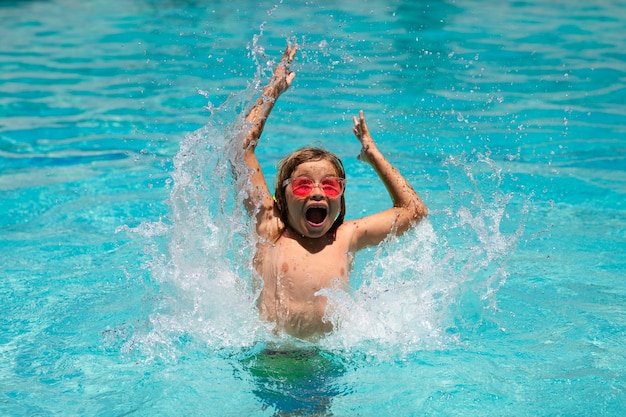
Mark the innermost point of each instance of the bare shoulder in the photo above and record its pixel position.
(348, 234)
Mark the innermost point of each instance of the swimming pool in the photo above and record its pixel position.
(125, 272)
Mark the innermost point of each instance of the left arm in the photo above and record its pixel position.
(408, 208)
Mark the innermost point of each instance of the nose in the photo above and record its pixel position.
(317, 193)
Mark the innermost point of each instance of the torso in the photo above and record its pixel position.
(293, 270)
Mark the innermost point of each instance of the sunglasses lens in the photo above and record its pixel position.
(301, 187)
(332, 187)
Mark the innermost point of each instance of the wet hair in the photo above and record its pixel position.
(287, 166)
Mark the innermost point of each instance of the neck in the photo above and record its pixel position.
(312, 244)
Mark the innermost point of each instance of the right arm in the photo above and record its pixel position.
(259, 199)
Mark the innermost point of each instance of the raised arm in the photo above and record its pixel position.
(280, 82)
(259, 198)
(408, 208)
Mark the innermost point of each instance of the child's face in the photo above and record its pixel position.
(312, 216)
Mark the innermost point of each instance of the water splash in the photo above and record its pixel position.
(424, 290)
(432, 288)
(200, 256)
(400, 302)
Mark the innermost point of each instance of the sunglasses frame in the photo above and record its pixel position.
(341, 181)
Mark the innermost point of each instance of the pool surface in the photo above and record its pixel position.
(126, 286)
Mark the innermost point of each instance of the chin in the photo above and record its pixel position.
(311, 231)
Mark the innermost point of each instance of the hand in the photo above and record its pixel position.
(283, 76)
(363, 135)
(280, 81)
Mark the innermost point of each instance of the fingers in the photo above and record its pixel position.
(283, 76)
(362, 123)
(363, 135)
(289, 54)
(360, 127)
(358, 131)
(292, 53)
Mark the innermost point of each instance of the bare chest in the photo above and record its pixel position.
(301, 269)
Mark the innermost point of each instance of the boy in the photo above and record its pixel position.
(303, 243)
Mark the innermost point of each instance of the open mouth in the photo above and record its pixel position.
(316, 215)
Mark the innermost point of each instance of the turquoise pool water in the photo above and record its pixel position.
(125, 280)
